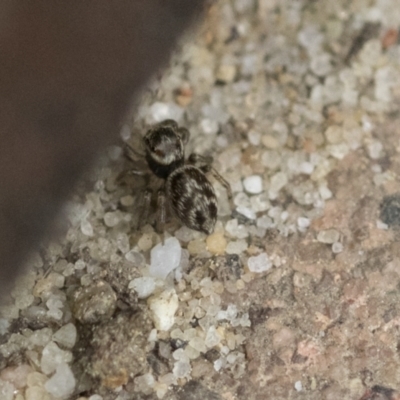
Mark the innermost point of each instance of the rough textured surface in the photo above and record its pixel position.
(296, 294)
(119, 349)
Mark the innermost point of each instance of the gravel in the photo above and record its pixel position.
(294, 295)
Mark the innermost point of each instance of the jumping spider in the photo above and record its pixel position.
(184, 188)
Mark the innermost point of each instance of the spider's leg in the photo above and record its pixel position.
(184, 134)
(131, 153)
(161, 211)
(139, 166)
(200, 161)
(225, 185)
(132, 171)
(143, 209)
(204, 163)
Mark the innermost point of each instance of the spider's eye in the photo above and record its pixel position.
(159, 153)
(154, 149)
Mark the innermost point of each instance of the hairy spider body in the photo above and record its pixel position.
(164, 149)
(186, 190)
(193, 198)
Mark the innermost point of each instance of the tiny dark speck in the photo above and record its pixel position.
(390, 210)
(194, 390)
(383, 390)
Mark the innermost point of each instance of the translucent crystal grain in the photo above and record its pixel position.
(62, 383)
(260, 263)
(253, 184)
(328, 236)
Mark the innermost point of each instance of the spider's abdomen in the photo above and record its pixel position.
(192, 198)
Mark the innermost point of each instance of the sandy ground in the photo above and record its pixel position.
(296, 293)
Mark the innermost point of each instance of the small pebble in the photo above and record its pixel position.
(41, 337)
(254, 137)
(196, 246)
(338, 151)
(265, 222)
(375, 150)
(246, 211)
(303, 223)
(324, 192)
(182, 369)
(165, 258)
(48, 284)
(36, 393)
(213, 337)
(328, 236)
(66, 336)
(52, 357)
(86, 228)
(127, 201)
(160, 111)
(236, 230)
(17, 376)
(198, 344)
(163, 308)
(185, 234)
(337, 247)
(209, 127)
(94, 303)
(143, 286)
(62, 383)
(80, 264)
(216, 243)
(135, 258)
(260, 263)
(144, 383)
(278, 181)
(321, 64)
(240, 284)
(145, 243)
(253, 184)
(306, 168)
(226, 73)
(236, 247)
(298, 386)
(270, 142)
(382, 225)
(334, 134)
(36, 379)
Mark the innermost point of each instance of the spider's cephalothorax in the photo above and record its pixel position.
(164, 148)
(186, 189)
